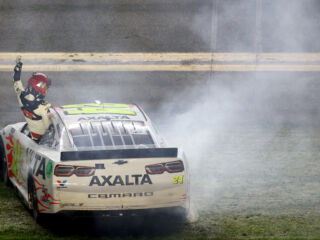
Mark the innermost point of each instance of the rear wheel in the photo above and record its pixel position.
(4, 175)
(179, 213)
(34, 202)
(1, 161)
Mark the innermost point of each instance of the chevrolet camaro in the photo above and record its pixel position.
(104, 158)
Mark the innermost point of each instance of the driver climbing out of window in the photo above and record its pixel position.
(31, 100)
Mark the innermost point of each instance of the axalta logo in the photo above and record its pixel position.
(108, 118)
(135, 179)
(121, 195)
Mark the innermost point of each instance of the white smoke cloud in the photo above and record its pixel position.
(238, 136)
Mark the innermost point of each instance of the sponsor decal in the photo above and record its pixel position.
(120, 162)
(120, 195)
(108, 118)
(127, 180)
(15, 161)
(9, 148)
(178, 179)
(98, 110)
(97, 105)
(41, 169)
(72, 204)
(62, 184)
(46, 200)
(49, 169)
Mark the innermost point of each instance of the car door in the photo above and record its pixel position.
(19, 144)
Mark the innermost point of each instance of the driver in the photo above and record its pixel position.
(31, 100)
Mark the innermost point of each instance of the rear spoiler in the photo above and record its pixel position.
(119, 153)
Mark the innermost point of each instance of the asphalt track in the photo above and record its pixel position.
(150, 51)
(256, 60)
(159, 26)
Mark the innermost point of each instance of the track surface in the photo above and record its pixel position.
(160, 26)
(169, 26)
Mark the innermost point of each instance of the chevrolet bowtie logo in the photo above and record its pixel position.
(120, 162)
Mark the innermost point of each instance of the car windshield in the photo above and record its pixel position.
(111, 134)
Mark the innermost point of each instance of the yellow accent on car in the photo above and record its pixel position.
(92, 110)
(178, 179)
(103, 105)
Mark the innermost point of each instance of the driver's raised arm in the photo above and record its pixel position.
(17, 84)
(31, 100)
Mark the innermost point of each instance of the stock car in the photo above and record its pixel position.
(95, 158)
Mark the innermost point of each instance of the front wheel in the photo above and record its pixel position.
(1, 161)
(5, 174)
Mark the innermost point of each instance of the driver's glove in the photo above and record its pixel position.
(17, 71)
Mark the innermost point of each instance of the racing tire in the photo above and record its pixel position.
(5, 174)
(2, 155)
(38, 217)
(4, 168)
(1, 164)
(180, 214)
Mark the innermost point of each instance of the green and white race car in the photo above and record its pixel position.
(104, 158)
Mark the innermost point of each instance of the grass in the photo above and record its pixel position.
(262, 184)
(14, 218)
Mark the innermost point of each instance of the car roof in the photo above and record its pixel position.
(95, 112)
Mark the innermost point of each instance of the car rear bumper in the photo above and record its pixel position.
(113, 201)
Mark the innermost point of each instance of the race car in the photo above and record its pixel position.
(98, 157)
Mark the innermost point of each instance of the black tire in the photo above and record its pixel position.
(4, 167)
(5, 173)
(1, 160)
(38, 217)
(180, 214)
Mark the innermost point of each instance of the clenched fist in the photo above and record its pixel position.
(17, 69)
